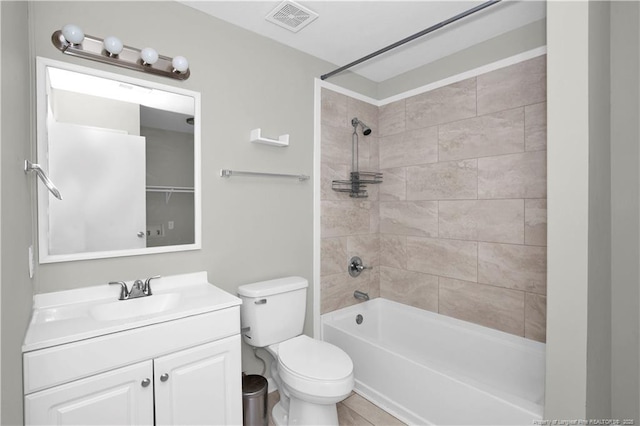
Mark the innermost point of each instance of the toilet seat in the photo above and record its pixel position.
(315, 368)
(314, 359)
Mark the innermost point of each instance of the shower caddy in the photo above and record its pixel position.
(357, 184)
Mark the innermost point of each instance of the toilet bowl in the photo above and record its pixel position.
(312, 376)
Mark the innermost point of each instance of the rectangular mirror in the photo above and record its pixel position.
(125, 155)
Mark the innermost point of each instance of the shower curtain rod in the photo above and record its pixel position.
(411, 38)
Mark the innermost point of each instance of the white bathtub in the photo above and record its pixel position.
(427, 368)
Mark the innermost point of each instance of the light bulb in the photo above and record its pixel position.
(149, 56)
(180, 64)
(113, 45)
(72, 34)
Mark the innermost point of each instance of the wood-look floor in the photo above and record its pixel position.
(353, 411)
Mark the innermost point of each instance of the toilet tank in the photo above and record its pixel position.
(273, 310)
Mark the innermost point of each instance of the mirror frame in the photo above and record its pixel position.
(43, 197)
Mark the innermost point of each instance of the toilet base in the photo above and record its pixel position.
(306, 413)
(279, 415)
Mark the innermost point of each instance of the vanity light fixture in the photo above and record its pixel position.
(71, 40)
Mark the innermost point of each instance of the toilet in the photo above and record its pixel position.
(312, 376)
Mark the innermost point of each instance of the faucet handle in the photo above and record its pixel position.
(147, 285)
(124, 291)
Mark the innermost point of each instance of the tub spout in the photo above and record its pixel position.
(361, 295)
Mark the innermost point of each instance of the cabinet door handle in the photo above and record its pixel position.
(146, 382)
(164, 377)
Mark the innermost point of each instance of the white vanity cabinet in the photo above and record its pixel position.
(197, 386)
(180, 368)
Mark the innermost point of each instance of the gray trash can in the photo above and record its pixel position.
(254, 400)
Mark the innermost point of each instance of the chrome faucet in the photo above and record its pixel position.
(138, 289)
(361, 295)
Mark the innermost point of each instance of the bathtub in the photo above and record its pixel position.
(426, 368)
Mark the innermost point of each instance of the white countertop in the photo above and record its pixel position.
(68, 316)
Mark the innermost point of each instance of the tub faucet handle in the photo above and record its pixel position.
(356, 266)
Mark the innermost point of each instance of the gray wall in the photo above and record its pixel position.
(567, 214)
(599, 292)
(593, 307)
(17, 127)
(625, 188)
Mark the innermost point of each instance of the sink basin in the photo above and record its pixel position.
(141, 306)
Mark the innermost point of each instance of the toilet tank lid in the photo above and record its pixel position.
(270, 287)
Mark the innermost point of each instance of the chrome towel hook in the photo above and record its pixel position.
(31, 167)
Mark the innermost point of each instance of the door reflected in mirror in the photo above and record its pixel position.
(125, 155)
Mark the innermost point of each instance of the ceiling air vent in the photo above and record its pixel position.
(291, 15)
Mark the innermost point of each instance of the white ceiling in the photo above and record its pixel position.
(348, 30)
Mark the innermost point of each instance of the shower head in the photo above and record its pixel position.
(366, 130)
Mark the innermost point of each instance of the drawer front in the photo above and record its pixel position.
(61, 364)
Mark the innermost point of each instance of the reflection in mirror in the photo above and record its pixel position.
(125, 155)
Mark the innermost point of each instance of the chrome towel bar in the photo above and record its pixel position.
(228, 173)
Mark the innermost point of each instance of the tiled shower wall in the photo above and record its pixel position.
(349, 227)
(459, 224)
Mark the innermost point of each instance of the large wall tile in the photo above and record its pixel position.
(513, 176)
(411, 288)
(394, 184)
(391, 118)
(443, 181)
(409, 148)
(393, 251)
(449, 103)
(337, 290)
(418, 218)
(498, 133)
(333, 255)
(374, 217)
(365, 112)
(446, 258)
(524, 83)
(535, 317)
(535, 222)
(366, 247)
(335, 146)
(513, 266)
(334, 108)
(486, 305)
(374, 153)
(342, 218)
(329, 173)
(364, 152)
(499, 221)
(535, 127)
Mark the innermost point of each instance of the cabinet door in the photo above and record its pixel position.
(116, 397)
(201, 385)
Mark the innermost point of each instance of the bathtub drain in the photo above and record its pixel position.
(359, 319)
